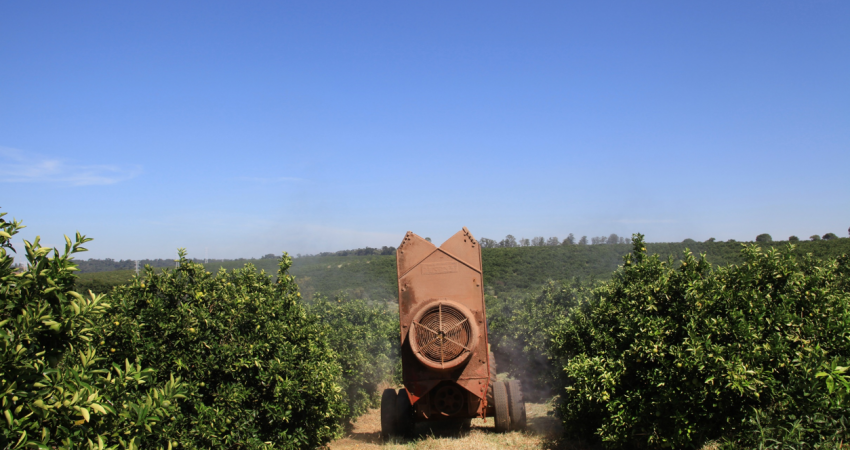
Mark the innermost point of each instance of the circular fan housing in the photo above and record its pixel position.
(443, 334)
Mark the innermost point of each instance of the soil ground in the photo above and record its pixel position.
(543, 432)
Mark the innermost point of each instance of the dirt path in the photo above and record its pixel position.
(543, 432)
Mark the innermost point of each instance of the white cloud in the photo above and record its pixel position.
(17, 166)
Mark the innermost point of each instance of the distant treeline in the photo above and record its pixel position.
(108, 264)
(506, 269)
(367, 251)
(510, 241)
(539, 241)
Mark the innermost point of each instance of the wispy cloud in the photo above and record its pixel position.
(17, 166)
(644, 221)
(270, 180)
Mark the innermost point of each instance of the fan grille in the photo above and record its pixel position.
(443, 334)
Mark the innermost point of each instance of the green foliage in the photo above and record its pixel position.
(520, 329)
(259, 369)
(370, 277)
(506, 270)
(103, 282)
(514, 269)
(672, 355)
(367, 277)
(57, 390)
(125, 265)
(365, 338)
(829, 236)
(794, 239)
(764, 238)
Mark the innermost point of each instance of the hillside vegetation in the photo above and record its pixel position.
(103, 282)
(674, 355)
(746, 348)
(180, 357)
(510, 269)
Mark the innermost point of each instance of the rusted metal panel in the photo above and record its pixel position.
(412, 251)
(443, 324)
(464, 247)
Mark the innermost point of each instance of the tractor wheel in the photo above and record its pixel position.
(500, 396)
(404, 413)
(389, 415)
(516, 405)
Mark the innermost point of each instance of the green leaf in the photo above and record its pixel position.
(21, 439)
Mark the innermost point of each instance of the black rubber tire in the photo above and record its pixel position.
(502, 416)
(516, 405)
(389, 415)
(404, 414)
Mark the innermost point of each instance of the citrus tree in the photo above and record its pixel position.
(258, 367)
(365, 338)
(58, 391)
(672, 355)
(520, 331)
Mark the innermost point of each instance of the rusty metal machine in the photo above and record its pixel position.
(448, 371)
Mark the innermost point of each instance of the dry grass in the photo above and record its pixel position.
(543, 433)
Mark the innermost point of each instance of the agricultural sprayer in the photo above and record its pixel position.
(448, 371)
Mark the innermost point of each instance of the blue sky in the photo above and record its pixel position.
(244, 128)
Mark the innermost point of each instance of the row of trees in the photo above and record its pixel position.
(764, 237)
(179, 358)
(367, 251)
(108, 264)
(510, 241)
(675, 355)
(540, 241)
